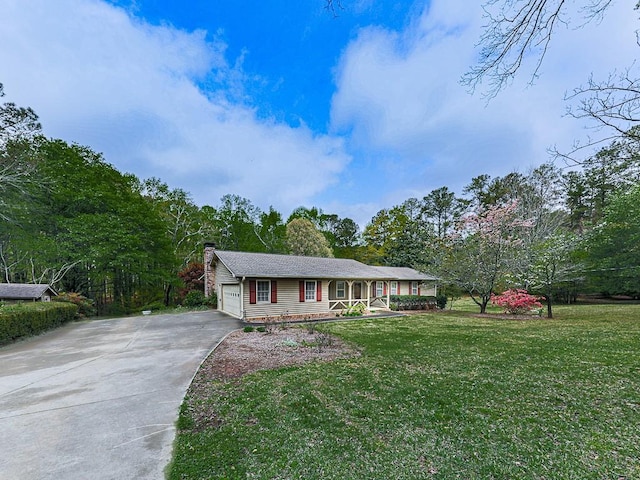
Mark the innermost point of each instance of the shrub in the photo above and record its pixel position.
(355, 310)
(261, 329)
(86, 306)
(248, 329)
(194, 298)
(413, 302)
(23, 320)
(516, 302)
(441, 301)
(211, 301)
(193, 277)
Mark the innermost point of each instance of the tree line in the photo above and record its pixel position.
(69, 218)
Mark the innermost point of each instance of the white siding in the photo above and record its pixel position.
(288, 301)
(223, 275)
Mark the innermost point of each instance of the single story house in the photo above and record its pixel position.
(26, 292)
(260, 286)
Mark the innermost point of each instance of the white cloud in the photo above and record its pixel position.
(399, 93)
(98, 76)
(159, 101)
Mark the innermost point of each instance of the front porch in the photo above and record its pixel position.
(373, 294)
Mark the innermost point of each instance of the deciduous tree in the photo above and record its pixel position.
(19, 127)
(303, 238)
(481, 250)
(613, 247)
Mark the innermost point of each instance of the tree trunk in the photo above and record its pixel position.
(549, 311)
(483, 306)
(167, 294)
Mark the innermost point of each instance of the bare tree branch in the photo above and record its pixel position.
(613, 103)
(333, 5)
(509, 35)
(515, 29)
(51, 275)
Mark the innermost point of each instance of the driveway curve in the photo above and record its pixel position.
(100, 399)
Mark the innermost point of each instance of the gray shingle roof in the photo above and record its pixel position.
(405, 273)
(24, 291)
(256, 265)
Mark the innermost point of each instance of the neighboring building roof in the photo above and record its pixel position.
(405, 273)
(24, 291)
(266, 265)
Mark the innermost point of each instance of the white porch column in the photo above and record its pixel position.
(388, 293)
(350, 296)
(242, 312)
(368, 283)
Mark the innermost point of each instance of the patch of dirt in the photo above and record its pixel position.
(246, 352)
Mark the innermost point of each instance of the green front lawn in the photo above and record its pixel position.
(437, 396)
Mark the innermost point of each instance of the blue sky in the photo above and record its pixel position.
(282, 103)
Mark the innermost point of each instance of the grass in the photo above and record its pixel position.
(437, 396)
(465, 304)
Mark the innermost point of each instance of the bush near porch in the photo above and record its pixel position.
(413, 302)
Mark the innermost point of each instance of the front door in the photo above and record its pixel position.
(357, 290)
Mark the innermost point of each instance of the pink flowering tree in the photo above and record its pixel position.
(482, 248)
(516, 301)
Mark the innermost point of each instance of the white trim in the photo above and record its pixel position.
(344, 289)
(268, 299)
(307, 298)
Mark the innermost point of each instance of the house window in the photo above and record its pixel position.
(263, 288)
(379, 289)
(310, 291)
(340, 290)
(414, 288)
(394, 288)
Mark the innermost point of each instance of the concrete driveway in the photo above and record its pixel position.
(100, 399)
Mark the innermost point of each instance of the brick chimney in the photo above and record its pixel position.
(209, 271)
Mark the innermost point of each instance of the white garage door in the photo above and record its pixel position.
(231, 300)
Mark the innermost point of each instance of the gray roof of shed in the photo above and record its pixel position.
(24, 291)
(266, 265)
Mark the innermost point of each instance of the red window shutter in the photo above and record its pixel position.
(384, 289)
(418, 290)
(252, 291)
(302, 290)
(274, 291)
(319, 291)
